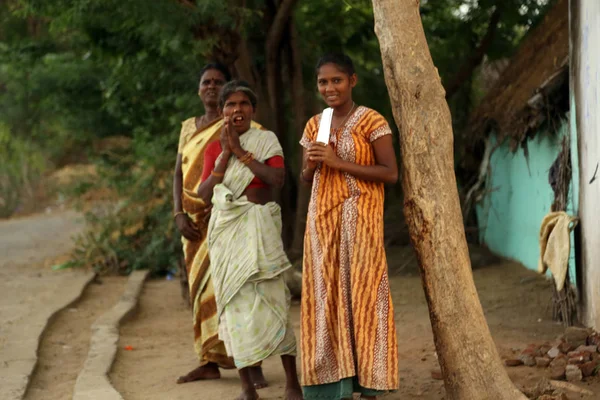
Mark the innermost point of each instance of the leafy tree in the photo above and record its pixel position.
(74, 71)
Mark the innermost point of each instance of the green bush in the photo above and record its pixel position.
(137, 231)
(21, 166)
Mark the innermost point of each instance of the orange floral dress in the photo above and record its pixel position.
(348, 328)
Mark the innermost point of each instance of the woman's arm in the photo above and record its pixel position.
(186, 226)
(217, 169)
(205, 190)
(385, 170)
(178, 173)
(272, 176)
(177, 186)
(308, 168)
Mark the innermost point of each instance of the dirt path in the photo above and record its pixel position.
(30, 292)
(29, 246)
(37, 239)
(65, 344)
(515, 300)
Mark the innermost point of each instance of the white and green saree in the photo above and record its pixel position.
(247, 261)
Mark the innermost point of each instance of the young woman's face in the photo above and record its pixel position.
(211, 83)
(335, 85)
(239, 109)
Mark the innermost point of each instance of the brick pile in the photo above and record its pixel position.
(572, 357)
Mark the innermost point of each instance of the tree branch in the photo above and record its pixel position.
(284, 11)
(467, 68)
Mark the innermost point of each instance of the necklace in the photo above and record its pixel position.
(346, 117)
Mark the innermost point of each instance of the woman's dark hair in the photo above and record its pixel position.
(219, 67)
(237, 86)
(341, 60)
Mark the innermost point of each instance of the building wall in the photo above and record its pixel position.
(518, 197)
(585, 59)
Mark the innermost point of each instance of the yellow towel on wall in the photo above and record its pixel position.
(555, 245)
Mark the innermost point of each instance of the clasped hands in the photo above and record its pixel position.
(230, 139)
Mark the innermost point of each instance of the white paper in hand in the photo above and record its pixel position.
(325, 126)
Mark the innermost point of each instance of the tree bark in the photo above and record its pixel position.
(297, 81)
(299, 113)
(273, 54)
(245, 70)
(468, 357)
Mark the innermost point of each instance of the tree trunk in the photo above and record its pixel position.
(245, 70)
(273, 47)
(296, 78)
(298, 101)
(468, 357)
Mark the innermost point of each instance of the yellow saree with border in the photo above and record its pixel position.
(192, 144)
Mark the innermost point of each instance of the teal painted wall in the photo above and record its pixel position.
(518, 197)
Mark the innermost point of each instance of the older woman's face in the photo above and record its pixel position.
(239, 109)
(211, 83)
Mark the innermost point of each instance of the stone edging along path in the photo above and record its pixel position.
(92, 382)
(19, 357)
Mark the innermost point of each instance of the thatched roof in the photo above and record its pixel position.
(532, 86)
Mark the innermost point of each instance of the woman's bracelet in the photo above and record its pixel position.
(247, 158)
(217, 174)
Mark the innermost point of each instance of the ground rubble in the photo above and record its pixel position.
(572, 358)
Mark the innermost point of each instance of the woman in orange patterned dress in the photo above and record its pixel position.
(348, 335)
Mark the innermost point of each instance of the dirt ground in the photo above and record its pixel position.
(516, 303)
(29, 247)
(37, 240)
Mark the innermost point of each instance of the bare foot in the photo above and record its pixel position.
(205, 372)
(249, 394)
(257, 377)
(293, 393)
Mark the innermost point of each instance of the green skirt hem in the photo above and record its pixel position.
(339, 390)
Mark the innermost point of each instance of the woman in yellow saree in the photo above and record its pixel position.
(190, 213)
